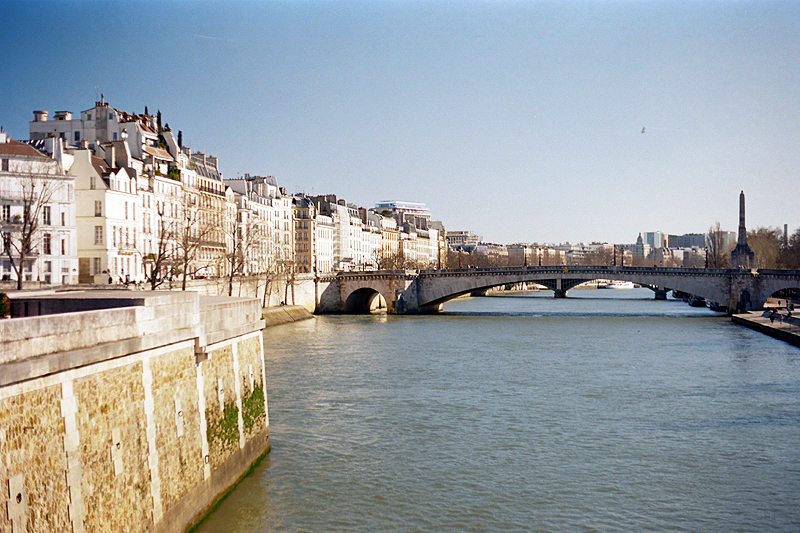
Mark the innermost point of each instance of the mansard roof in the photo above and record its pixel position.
(158, 153)
(11, 147)
(100, 166)
(206, 171)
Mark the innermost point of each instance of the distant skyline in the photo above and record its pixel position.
(518, 121)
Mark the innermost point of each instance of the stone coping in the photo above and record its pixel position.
(79, 328)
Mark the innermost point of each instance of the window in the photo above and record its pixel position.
(92, 182)
(63, 218)
(46, 216)
(77, 136)
(113, 236)
(48, 266)
(5, 165)
(98, 234)
(63, 247)
(95, 265)
(98, 208)
(89, 116)
(126, 210)
(115, 135)
(46, 244)
(6, 213)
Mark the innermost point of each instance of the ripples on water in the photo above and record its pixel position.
(607, 411)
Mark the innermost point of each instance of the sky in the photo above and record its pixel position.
(524, 121)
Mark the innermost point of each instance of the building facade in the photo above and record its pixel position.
(37, 214)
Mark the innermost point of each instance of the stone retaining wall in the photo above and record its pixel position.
(140, 427)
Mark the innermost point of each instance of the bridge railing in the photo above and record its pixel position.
(606, 271)
(566, 269)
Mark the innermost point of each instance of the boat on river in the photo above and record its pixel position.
(697, 301)
(618, 285)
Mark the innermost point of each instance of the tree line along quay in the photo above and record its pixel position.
(113, 197)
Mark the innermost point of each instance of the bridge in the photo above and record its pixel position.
(424, 291)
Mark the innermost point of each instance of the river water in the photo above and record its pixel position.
(606, 411)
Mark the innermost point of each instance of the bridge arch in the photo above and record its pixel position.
(347, 292)
(361, 301)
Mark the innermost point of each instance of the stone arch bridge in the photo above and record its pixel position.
(424, 291)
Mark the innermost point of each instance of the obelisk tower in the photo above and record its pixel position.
(742, 256)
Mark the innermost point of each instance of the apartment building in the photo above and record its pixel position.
(37, 214)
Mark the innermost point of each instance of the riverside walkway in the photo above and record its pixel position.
(784, 328)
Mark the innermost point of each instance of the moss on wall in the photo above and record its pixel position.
(222, 429)
(253, 414)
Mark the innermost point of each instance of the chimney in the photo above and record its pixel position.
(110, 155)
(40, 116)
(58, 150)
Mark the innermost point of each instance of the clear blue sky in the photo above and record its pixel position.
(519, 121)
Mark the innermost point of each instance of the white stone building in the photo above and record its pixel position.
(33, 182)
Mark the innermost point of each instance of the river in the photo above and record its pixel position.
(605, 411)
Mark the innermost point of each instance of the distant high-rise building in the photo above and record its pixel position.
(655, 239)
(411, 212)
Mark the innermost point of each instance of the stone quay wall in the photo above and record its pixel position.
(127, 411)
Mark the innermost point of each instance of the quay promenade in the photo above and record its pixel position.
(784, 328)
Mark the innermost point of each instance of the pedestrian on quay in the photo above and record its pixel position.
(772, 316)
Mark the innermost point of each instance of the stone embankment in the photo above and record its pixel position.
(274, 316)
(127, 410)
(783, 327)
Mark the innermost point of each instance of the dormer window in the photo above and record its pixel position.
(88, 116)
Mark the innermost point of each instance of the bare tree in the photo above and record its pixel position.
(790, 254)
(269, 265)
(385, 259)
(160, 261)
(766, 245)
(32, 191)
(461, 259)
(245, 237)
(598, 257)
(191, 231)
(717, 249)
